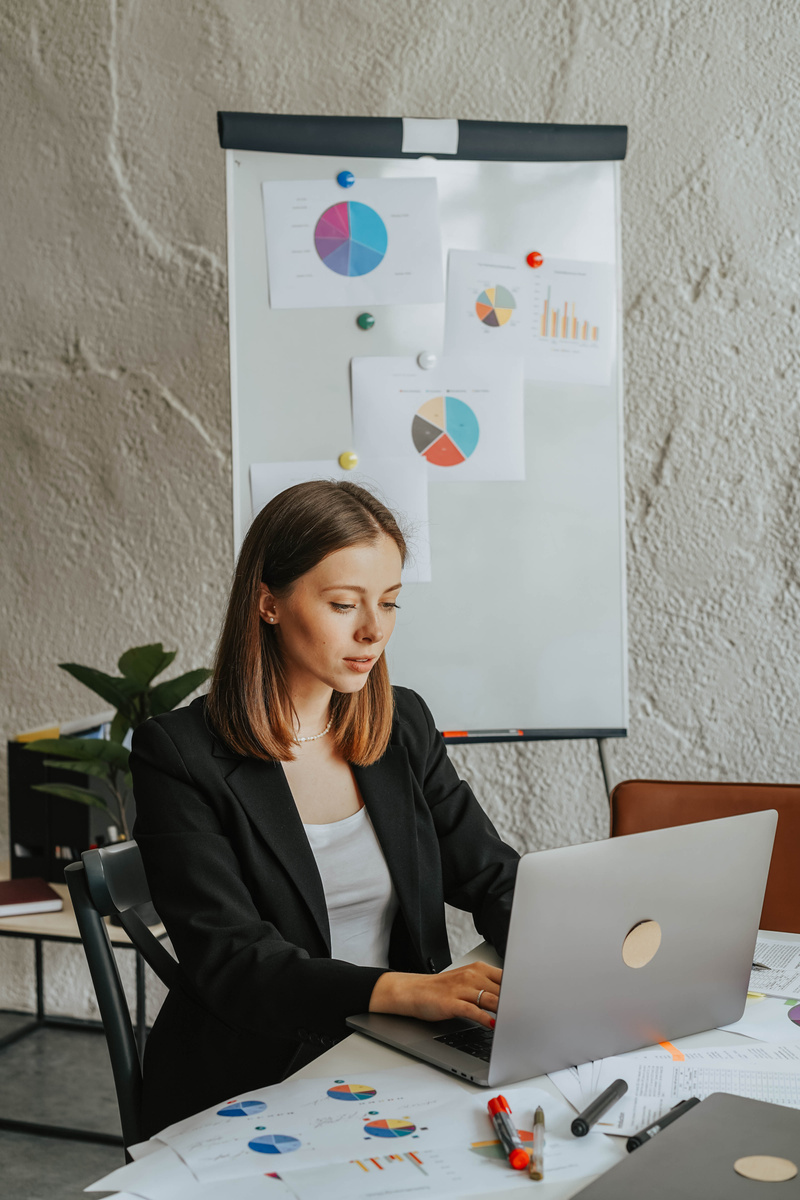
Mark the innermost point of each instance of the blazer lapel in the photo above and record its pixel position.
(387, 791)
(264, 793)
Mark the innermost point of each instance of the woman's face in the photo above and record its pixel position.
(334, 624)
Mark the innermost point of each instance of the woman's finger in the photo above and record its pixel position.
(480, 1016)
(489, 1001)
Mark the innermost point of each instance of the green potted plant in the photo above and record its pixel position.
(135, 698)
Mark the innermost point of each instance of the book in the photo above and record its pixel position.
(19, 897)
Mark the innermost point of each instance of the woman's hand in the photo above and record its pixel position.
(438, 997)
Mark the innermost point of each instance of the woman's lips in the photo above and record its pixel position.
(359, 665)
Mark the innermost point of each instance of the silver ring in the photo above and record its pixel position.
(478, 1001)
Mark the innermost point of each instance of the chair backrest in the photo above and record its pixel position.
(109, 881)
(641, 804)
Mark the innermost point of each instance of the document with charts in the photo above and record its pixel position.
(377, 242)
(560, 316)
(659, 1079)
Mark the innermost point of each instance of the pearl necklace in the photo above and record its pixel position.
(316, 736)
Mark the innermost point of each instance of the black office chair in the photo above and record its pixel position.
(112, 881)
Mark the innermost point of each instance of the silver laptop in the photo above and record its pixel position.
(682, 905)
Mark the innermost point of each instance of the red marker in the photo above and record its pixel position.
(500, 1114)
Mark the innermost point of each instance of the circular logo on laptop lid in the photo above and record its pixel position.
(641, 944)
(766, 1168)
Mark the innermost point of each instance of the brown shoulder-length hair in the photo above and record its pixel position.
(248, 702)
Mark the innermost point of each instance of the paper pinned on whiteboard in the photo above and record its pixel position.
(463, 417)
(560, 316)
(377, 243)
(401, 485)
(424, 136)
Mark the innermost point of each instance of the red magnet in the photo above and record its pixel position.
(534, 259)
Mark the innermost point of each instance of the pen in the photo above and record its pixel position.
(645, 1135)
(536, 1168)
(585, 1120)
(761, 967)
(500, 1114)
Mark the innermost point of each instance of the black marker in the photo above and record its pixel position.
(585, 1120)
(645, 1135)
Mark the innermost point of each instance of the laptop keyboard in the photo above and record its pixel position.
(476, 1041)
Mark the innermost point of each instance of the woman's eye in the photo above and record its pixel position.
(391, 604)
(341, 607)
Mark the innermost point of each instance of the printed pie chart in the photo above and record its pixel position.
(351, 238)
(445, 431)
(794, 1014)
(274, 1143)
(495, 306)
(351, 1091)
(390, 1128)
(242, 1108)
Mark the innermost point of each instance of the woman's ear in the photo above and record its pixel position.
(266, 605)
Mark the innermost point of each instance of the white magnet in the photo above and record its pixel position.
(426, 360)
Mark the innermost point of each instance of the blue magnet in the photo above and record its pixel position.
(345, 179)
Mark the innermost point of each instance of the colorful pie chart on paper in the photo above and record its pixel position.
(495, 306)
(274, 1143)
(390, 1128)
(351, 238)
(794, 1014)
(242, 1108)
(351, 1091)
(445, 431)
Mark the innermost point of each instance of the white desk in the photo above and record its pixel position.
(357, 1053)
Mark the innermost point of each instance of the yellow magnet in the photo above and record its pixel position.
(348, 460)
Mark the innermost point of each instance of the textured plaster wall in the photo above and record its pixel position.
(113, 345)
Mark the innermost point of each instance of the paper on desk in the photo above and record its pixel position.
(156, 1176)
(768, 1019)
(261, 1187)
(307, 1122)
(163, 1176)
(142, 1149)
(783, 957)
(656, 1082)
(465, 1158)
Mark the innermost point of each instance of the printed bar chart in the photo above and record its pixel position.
(565, 324)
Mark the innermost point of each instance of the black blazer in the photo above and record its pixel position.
(235, 882)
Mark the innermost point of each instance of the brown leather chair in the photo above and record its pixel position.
(641, 804)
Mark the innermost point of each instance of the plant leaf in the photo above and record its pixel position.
(142, 663)
(100, 770)
(164, 697)
(84, 750)
(119, 727)
(67, 792)
(119, 692)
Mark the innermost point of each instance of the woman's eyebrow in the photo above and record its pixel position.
(355, 587)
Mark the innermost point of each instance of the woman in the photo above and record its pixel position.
(301, 826)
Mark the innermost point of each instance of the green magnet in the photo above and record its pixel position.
(365, 321)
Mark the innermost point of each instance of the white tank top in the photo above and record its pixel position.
(359, 892)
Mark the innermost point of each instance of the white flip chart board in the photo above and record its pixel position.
(521, 631)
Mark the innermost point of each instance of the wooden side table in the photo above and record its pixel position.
(62, 927)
